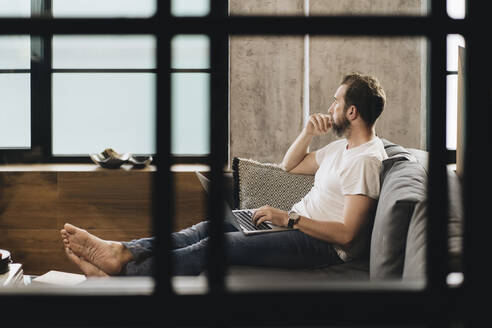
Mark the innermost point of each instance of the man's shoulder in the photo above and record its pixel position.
(374, 152)
(337, 144)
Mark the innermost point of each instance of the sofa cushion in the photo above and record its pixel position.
(455, 228)
(394, 150)
(354, 270)
(421, 156)
(357, 269)
(416, 245)
(258, 184)
(403, 184)
(414, 266)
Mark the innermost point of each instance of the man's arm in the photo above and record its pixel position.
(297, 159)
(356, 213)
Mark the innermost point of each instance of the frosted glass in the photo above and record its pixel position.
(190, 123)
(15, 52)
(104, 8)
(15, 111)
(92, 112)
(456, 9)
(15, 8)
(190, 51)
(104, 51)
(451, 111)
(190, 7)
(452, 43)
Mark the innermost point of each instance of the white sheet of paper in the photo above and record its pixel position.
(60, 278)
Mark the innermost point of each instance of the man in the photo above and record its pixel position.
(332, 221)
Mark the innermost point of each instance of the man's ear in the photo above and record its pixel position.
(352, 112)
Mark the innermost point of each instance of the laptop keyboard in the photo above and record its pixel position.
(244, 218)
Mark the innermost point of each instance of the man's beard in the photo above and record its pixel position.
(342, 128)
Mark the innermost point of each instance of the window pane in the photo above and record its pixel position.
(15, 52)
(92, 112)
(190, 7)
(456, 8)
(451, 111)
(17, 8)
(104, 8)
(190, 51)
(15, 111)
(190, 113)
(104, 51)
(452, 42)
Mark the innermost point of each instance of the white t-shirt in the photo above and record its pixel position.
(341, 172)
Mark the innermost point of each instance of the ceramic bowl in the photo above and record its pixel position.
(110, 159)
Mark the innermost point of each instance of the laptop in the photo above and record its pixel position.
(241, 219)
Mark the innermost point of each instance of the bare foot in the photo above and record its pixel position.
(108, 256)
(87, 268)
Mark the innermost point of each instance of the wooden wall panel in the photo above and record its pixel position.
(29, 198)
(189, 202)
(111, 204)
(105, 185)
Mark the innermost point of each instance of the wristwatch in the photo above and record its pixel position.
(293, 219)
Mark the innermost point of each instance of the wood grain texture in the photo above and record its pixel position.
(111, 204)
(189, 200)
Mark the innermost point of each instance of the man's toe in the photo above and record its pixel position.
(69, 228)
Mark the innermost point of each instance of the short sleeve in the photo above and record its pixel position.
(361, 177)
(320, 154)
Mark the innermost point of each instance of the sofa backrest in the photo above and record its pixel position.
(414, 266)
(403, 186)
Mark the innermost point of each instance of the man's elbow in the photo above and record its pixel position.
(286, 167)
(347, 239)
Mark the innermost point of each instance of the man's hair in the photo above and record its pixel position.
(366, 93)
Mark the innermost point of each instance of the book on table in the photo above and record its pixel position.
(13, 277)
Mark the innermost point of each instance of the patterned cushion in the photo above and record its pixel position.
(257, 184)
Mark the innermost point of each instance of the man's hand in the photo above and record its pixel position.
(318, 124)
(267, 213)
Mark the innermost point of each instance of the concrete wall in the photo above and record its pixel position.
(397, 65)
(267, 77)
(266, 81)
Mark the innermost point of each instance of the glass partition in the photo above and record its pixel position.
(243, 109)
(15, 88)
(106, 8)
(104, 52)
(190, 7)
(15, 110)
(18, 8)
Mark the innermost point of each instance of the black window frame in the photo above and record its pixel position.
(41, 150)
(435, 305)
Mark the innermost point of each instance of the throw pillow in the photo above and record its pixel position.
(257, 184)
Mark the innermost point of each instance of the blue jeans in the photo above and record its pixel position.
(288, 249)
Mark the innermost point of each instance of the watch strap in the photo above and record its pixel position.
(293, 219)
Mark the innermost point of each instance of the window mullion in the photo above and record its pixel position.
(41, 86)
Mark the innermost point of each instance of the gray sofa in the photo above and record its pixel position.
(397, 247)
